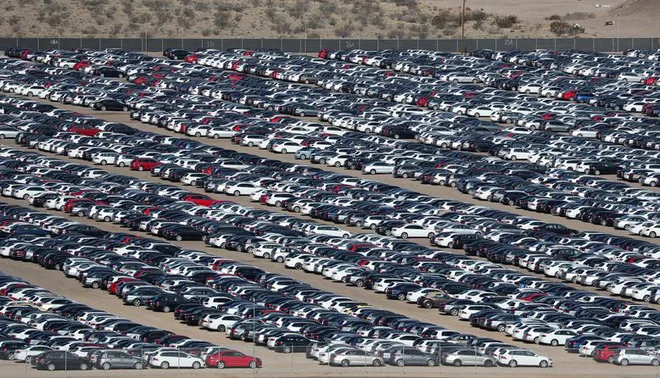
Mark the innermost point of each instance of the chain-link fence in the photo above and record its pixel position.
(314, 45)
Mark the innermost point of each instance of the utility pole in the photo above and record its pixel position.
(463, 29)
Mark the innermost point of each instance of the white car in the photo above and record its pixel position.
(411, 231)
(556, 337)
(105, 158)
(220, 322)
(287, 147)
(170, 358)
(378, 168)
(242, 189)
(328, 230)
(28, 353)
(522, 357)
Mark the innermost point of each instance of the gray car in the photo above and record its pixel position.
(468, 357)
(409, 356)
(118, 360)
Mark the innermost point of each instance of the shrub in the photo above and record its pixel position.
(345, 30)
(564, 28)
(505, 22)
(554, 17)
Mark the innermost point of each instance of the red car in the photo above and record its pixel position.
(199, 199)
(605, 352)
(232, 358)
(144, 164)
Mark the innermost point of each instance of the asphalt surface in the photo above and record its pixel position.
(279, 365)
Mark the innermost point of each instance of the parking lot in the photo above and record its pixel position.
(322, 214)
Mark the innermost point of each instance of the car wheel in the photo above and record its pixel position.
(95, 285)
(50, 367)
(166, 309)
(513, 363)
(359, 283)
(287, 349)
(477, 115)
(196, 365)
(544, 364)
(298, 266)
(165, 365)
(28, 359)
(405, 175)
(267, 256)
(103, 108)
(488, 363)
(302, 114)
(537, 340)
(400, 363)
(80, 213)
(653, 184)
(652, 234)
(280, 259)
(401, 296)
(427, 304)
(458, 363)
(430, 363)
(296, 209)
(136, 302)
(345, 363)
(138, 366)
(597, 172)
(404, 236)
(655, 362)
(454, 312)
(501, 328)
(337, 164)
(514, 157)
(625, 362)
(2, 136)
(106, 219)
(554, 343)
(105, 366)
(250, 144)
(83, 366)
(140, 168)
(179, 238)
(377, 363)
(237, 193)
(284, 150)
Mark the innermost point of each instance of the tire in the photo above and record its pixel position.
(80, 214)
(457, 363)
(405, 175)
(454, 312)
(284, 151)
(138, 366)
(166, 309)
(488, 363)
(106, 219)
(322, 161)
(106, 366)
(359, 283)
(178, 238)
(96, 285)
(164, 365)
(625, 362)
(430, 363)
(287, 349)
(125, 109)
(302, 114)
(198, 134)
(655, 362)
(103, 108)
(513, 364)
(477, 115)
(196, 365)
(501, 328)
(250, 144)
(652, 234)
(103, 162)
(298, 266)
(2, 136)
(544, 364)
(50, 367)
(140, 168)
(536, 340)
(400, 363)
(514, 158)
(373, 172)
(401, 296)
(554, 343)
(280, 259)
(136, 302)
(404, 236)
(377, 363)
(83, 366)
(337, 164)
(345, 363)
(596, 172)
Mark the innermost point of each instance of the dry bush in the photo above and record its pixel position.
(328, 8)
(505, 22)
(554, 17)
(560, 28)
(298, 9)
(406, 3)
(345, 30)
(476, 15)
(577, 16)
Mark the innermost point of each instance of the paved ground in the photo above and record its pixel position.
(278, 365)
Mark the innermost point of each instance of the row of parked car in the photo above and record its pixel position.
(51, 332)
(283, 200)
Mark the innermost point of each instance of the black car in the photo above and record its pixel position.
(110, 104)
(60, 360)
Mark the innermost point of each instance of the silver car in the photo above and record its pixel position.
(468, 357)
(354, 357)
(634, 356)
